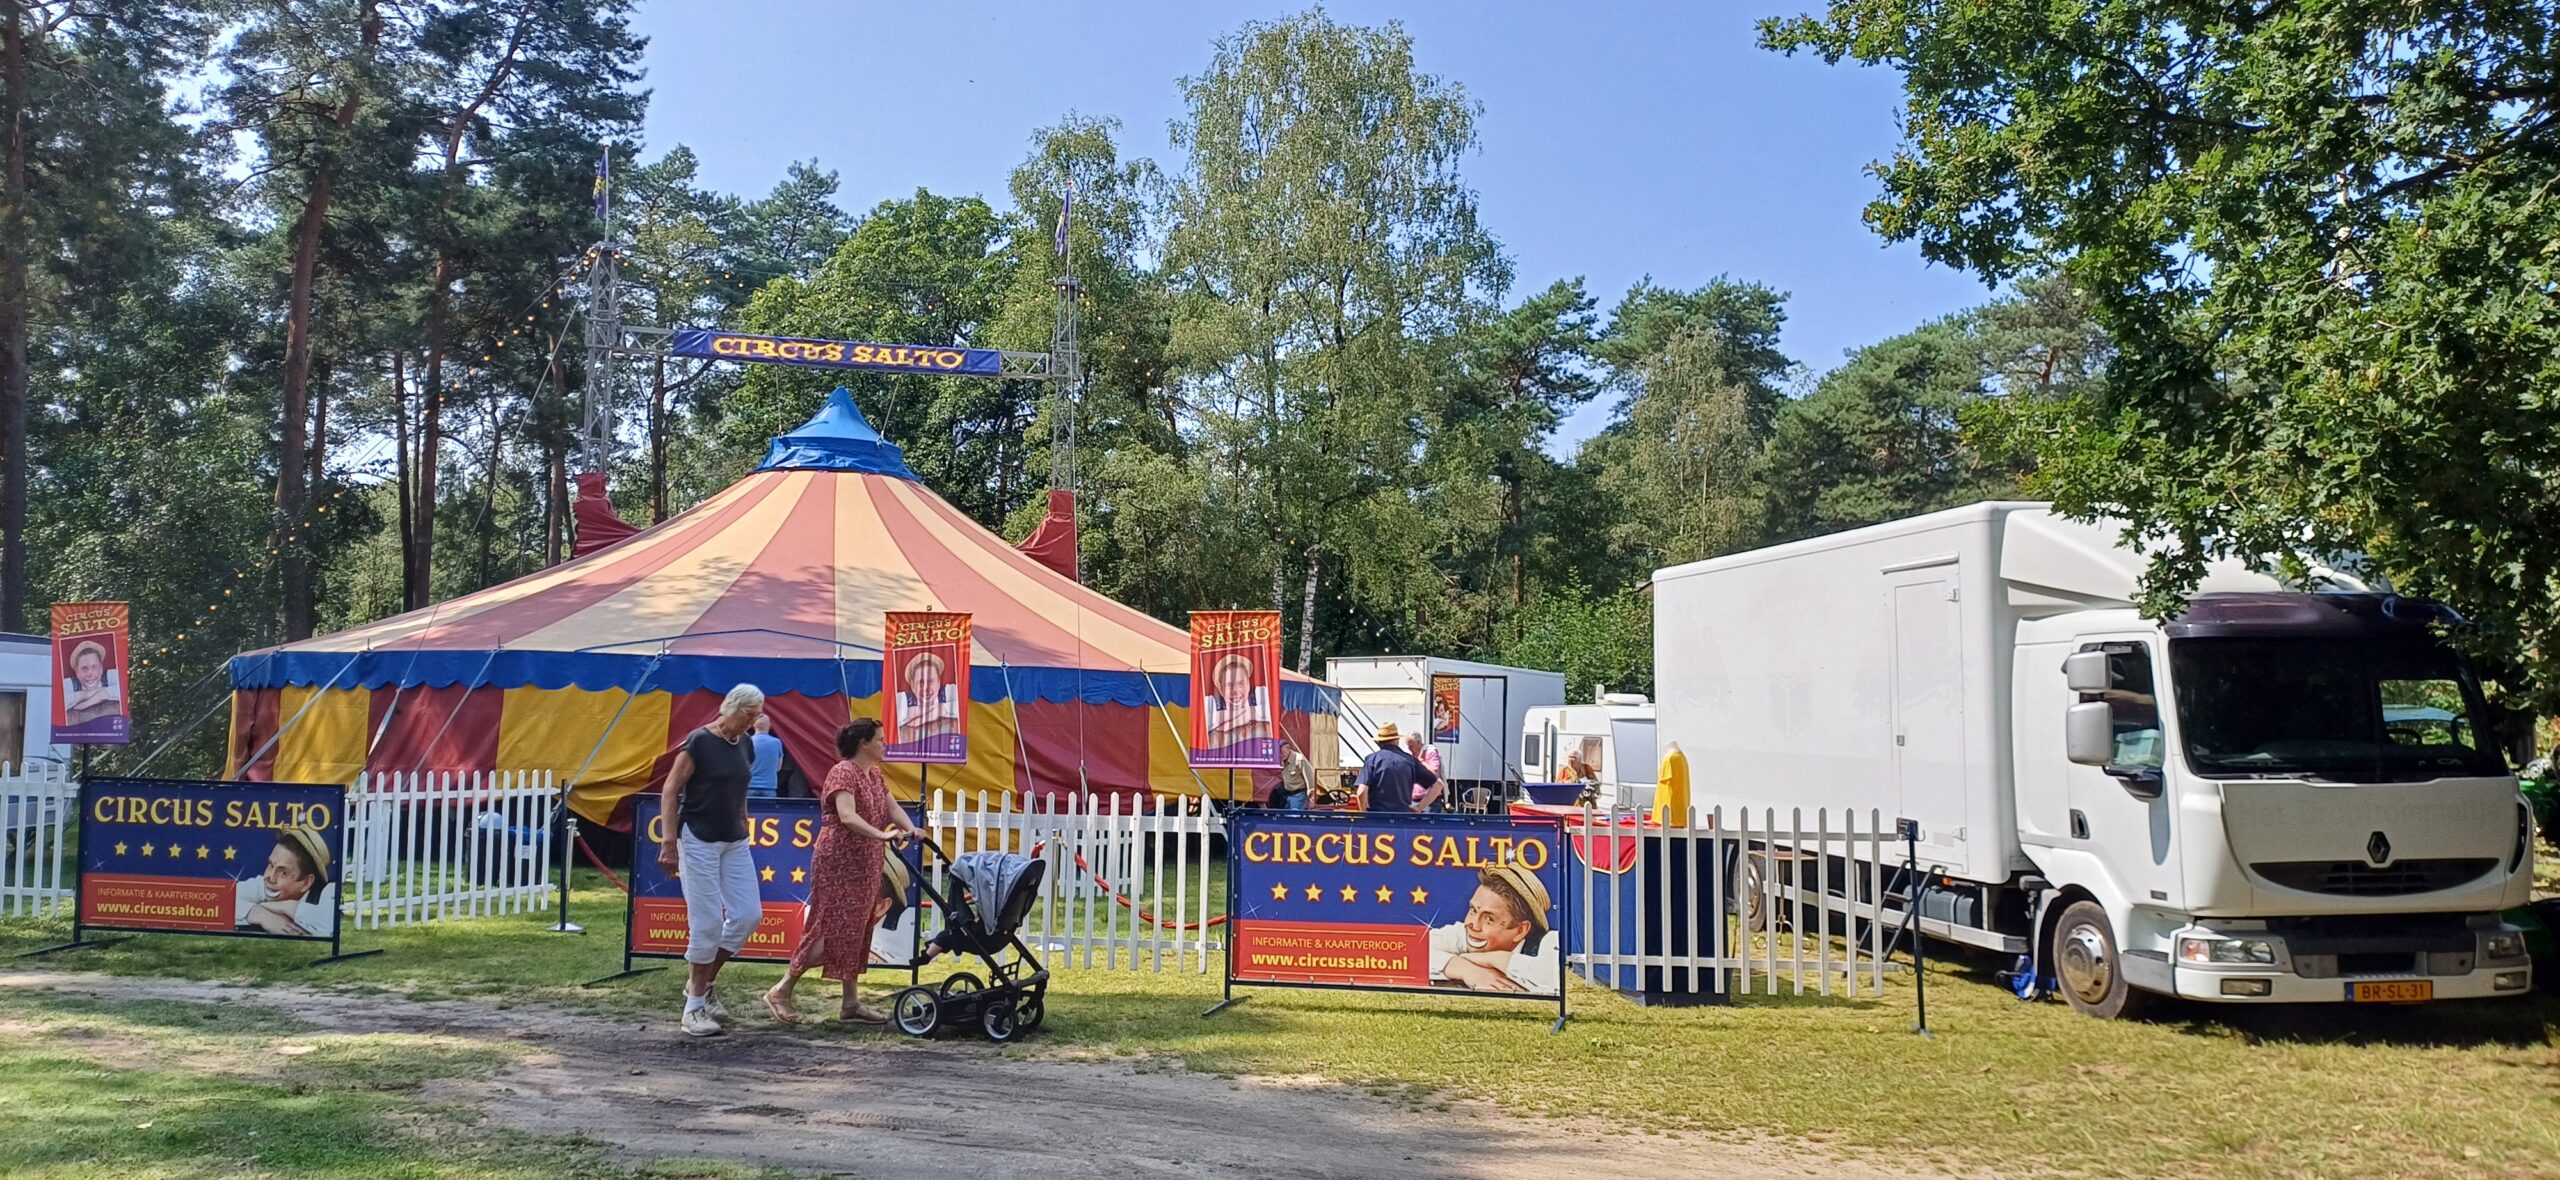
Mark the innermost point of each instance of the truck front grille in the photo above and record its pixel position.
(2352, 879)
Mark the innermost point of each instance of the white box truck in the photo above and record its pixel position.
(2275, 796)
(1478, 739)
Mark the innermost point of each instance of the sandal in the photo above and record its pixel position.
(780, 1008)
(860, 1014)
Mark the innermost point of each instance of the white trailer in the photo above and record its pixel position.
(26, 703)
(1482, 748)
(2249, 802)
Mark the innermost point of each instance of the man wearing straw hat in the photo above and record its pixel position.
(294, 896)
(1506, 943)
(1392, 781)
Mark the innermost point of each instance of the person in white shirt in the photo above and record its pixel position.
(1506, 943)
(294, 896)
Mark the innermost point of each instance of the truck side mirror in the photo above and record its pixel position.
(2086, 671)
(2089, 730)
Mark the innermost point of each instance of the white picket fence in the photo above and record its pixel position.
(439, 845)
(1131, 884)
(1771, 903)
(36, 807)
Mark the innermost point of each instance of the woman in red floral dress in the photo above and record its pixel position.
(861, 822)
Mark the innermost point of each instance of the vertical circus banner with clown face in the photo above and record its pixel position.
(1235, 689)
(91, 703)
(924, 667)
(1446, 718)
(180, 857)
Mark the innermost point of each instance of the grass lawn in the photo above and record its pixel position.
(2004, 1086)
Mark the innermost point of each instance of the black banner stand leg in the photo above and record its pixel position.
(1229, 998)
(1564, 953)
(337, 931)
(78, 877)
(568, 837)
(630, 914)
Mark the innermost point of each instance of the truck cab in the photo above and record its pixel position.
(2269, 797)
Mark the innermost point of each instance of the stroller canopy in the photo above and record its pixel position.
(991, 877)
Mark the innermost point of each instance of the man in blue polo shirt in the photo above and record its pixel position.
(1388, 777)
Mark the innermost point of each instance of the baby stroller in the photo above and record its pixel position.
(982, 917)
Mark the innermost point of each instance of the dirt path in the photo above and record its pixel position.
(890, 1108)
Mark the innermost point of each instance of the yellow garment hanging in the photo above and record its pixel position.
(1671, 789)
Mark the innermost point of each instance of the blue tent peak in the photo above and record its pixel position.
(839, 438)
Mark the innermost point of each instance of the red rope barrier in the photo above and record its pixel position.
(1141, 911)
(598, 862)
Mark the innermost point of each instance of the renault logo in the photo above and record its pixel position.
(2378, 849)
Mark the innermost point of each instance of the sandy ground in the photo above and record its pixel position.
(884, 1107)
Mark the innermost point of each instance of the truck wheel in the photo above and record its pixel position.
(2087, 966)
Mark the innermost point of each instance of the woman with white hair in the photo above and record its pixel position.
(706, 794)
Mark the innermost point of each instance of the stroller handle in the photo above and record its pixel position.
(925, 841)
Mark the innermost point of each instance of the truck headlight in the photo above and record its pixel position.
(2508, 945)
(2227, 950)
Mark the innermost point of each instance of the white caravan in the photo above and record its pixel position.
(2274, 797)
(1478, 740)
(1612, 739)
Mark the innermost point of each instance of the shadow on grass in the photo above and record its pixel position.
(2519, 1023)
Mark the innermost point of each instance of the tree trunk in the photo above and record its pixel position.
(292, 493)
(489, 494)
(555, 522)
(418, 560)
(658, 438)
(419, 557)
(400, 468)
(16, 232)
(319, 436)
(1307, 610)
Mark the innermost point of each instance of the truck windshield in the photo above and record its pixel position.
(2355, 710)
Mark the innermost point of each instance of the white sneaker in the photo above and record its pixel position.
(711, 1003)
(701, 1023)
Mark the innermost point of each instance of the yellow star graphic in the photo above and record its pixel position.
(1350, 894)
(203, 853)
(768, 872)
(229, 853)
(1420, 897)
(1385, 895)
(799, 875)
(120, 846)
(1315, 893)
(175, 852)
(1278, 892)
(146, 850)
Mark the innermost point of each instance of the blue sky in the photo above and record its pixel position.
(1618, 139)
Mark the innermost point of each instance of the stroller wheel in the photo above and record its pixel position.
(916, 1012)
(998, 1023)
(1030, 1013)
(957, 989)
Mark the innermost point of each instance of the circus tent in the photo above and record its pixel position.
(597, 668)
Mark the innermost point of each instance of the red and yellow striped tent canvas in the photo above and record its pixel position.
(596, 669)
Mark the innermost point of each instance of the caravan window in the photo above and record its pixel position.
(1529, 750)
